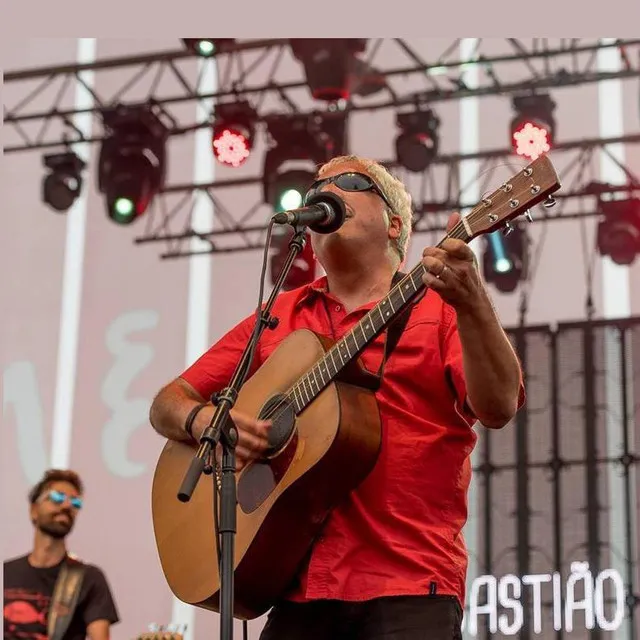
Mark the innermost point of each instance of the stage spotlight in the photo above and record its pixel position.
(418, 141)
(206, 47)
(533, 127)
(330, 65)
(288, 189)
(299, 143)
(132, 162)
(233, 131)
(62, 185)
(505, 260)
(619, 230)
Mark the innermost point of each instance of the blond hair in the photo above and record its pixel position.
(393, 189)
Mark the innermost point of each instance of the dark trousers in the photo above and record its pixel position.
(392, 618)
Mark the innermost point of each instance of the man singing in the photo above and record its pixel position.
(391, 561)
(30, 580)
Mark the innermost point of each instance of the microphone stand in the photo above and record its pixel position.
(222, 430)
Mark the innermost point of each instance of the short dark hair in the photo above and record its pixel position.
(55, 475)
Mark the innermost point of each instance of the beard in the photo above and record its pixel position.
(57, 529)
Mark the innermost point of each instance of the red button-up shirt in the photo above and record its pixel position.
(400, 531)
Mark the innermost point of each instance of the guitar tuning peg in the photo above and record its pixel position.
(549, 202)
(507, 229)
(528, 216)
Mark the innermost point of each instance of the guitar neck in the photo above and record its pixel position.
(305, 390)
(521, 192)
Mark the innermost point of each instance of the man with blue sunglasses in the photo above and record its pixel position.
(30, 609)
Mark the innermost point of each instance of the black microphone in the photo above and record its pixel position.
(324, 213)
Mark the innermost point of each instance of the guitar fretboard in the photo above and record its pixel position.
(353, 342)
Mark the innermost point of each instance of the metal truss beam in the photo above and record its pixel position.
(243, 68)
(447, 160)
(436, 192)
(122, 62)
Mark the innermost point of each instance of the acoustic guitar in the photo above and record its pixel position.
(325, 439)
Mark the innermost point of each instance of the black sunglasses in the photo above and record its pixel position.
(350, 181)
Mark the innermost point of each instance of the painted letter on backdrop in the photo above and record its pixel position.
(127, 414)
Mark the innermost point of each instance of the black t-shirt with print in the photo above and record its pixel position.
(28, 591)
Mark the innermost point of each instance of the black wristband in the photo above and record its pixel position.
(188, 425)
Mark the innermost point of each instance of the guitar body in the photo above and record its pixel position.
(283, 501)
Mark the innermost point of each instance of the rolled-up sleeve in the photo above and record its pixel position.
(213, 370)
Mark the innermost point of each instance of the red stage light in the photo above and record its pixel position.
(531, 140)
(533, 126)
(230, 146)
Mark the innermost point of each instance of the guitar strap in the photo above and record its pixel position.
(368, 379)
(397, 327)
(371, 380)
(65, 598)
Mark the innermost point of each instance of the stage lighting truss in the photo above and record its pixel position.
(63, 184)
(233, 132)
(533, 66)
(435, 194)
(533, 126)
(35, 121)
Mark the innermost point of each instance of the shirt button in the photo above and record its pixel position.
(338, 307)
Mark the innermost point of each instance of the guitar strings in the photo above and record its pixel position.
(458, 232)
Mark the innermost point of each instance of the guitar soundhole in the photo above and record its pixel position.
(282, 413)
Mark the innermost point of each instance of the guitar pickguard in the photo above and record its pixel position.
(280, 410)
(261, 477)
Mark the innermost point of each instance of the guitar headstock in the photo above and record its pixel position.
(535, 183)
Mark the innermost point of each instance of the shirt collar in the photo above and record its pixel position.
(310, 291)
